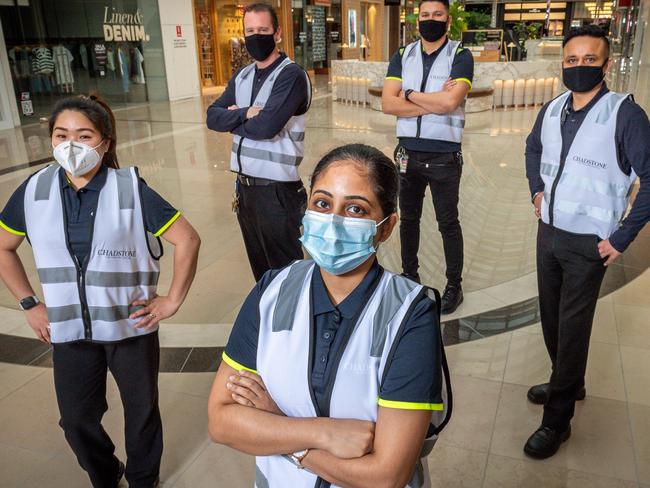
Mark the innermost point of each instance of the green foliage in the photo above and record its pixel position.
(478, 20)
(458, 21)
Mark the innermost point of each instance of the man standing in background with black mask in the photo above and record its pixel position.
(585, 151)
(425, 88)
(264, 106)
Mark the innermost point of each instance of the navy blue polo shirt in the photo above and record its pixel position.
(462, 70)
(80, 207)
(413, 380)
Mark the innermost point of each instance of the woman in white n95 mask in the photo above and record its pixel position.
(94, 229)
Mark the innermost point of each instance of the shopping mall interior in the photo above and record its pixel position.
(493, 341)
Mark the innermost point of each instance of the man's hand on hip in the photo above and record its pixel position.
(608, 251)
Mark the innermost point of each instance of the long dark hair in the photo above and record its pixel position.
(99, 113)
(381, 170)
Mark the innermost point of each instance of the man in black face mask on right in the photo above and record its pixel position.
(585, 151)
(264, 107)
(425, 87)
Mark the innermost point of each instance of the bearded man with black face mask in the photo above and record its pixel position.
(425, 88)
(264, 107)
(584, 154)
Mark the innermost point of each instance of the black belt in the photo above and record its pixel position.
(252, 181)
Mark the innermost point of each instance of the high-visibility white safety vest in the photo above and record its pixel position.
(283, 360)
(92, 302)
(277, 158)
(587, 193)
(444, 127)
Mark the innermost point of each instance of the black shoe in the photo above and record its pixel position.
(415, 277)
(451, 299)
(120, 473)
(538, 394)
(545, 442)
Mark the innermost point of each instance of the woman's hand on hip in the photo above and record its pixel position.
(153, 311)
(38, 321)
(248, 389)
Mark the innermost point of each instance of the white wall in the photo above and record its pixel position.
(181, 62)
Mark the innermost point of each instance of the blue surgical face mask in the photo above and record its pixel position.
(338, 244)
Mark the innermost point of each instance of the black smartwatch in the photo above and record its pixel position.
(407, 94)
(28, 302)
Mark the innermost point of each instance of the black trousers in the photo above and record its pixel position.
(80, 370)
(270, 217)
(569, 274)
(441, 172)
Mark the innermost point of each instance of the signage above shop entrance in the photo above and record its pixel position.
(123, 26)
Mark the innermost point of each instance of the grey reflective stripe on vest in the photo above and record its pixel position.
(99, 278)
(297, 136)
(285, 309)
(607, 189)
(606, 112)
(549, 169)
(106, 314)
(265, 155)
(57, 275)
(44, 183)
(598, 213)
(396, 292)
(260, 479)
(455, 122)
(64, 313)
(125, 188)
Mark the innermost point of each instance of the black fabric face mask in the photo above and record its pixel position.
(583, 78)
(260, 46)
(432, 30)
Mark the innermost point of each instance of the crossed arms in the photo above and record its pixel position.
(443, 102)
(349, 453)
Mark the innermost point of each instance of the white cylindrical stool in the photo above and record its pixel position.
(539, 91)
(548, 90)
(508, 93)
(520, 88)
(529, 96)
(497, 94)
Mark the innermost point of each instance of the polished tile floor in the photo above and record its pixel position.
(188, 164)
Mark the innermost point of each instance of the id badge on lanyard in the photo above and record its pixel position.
(402, 159)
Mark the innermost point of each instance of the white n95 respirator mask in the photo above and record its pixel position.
(77, 158)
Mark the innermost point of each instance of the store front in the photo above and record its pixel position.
(316, 33)
(220, 39)
(60, 48)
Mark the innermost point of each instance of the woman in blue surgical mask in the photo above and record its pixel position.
(94, 230)
(333, 370)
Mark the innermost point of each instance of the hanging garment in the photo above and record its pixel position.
(123, 59)
(62, 60)
(136, 61)
(42, 62)
(110, 59)
(83, 53)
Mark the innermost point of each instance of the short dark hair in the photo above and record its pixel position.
(264, 7)
(381, 170)
(101, 116)
(444, 2)
(591, 30)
